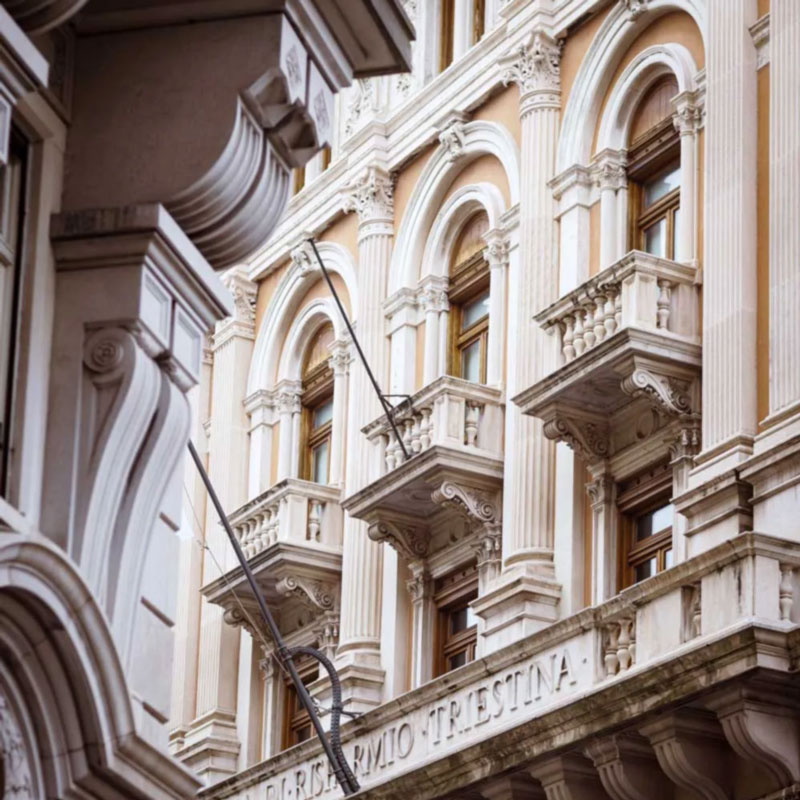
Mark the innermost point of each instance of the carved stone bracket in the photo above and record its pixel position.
(314, 595)
(665, 393)
(475, 506)
(303, 260)
(588, 438)
(451, 137)
(628, 768)
(409, 540)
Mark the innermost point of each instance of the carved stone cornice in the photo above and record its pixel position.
(314, 595)
(665, 393)
(589, 439)
(409, 540)
(371, 195)
(535, 65)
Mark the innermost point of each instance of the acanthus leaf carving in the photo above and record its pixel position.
(475, 506)
(244, 295)
(667, 394)
(315, 595)
(302, 257)
(371, 195)
(409, 540)
(534, 64)
(590, 440)
(15, 770)
(452, 140)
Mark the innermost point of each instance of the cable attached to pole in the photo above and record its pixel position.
(388, 408)
(332, 747)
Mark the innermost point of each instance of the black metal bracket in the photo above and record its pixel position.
(388, 408)
(332, 746)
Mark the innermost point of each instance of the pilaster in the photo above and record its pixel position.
(528, 571)
(729, 259)
(371, 196)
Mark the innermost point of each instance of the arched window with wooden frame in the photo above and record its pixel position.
(469, 302)
(654, 173)
(317, 401)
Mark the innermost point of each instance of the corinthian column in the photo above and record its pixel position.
(527, 594)
(358, 654)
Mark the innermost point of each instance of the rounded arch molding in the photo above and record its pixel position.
(609, 45)
(283, 308)
(304, 326)
(477, 139)
(447, 225)
(60, 666)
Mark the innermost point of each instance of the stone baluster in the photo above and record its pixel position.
(663, 304)
(786, 592)
(471, 419)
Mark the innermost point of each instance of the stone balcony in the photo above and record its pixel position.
(453, 432)
(628, 348)
(292, 536)
(623, 688)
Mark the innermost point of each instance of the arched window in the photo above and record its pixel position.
(469, 301)
(317, 400)
(654, 172)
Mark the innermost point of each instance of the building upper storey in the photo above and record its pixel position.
(560, 255)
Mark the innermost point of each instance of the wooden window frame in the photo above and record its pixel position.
(453, 592)
(645, 493)
(295, 718)
(12, 244)
(468, 282)
(446, 33)
(317, 390)
(298, 180)
(649, 155)
(478, 20)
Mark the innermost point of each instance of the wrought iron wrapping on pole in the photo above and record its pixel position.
(388, 408)
(332, 747)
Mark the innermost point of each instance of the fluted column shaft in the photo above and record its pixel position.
(530, 458)
(360, 627)
(784, 201)
(340, 364)
(729, 268)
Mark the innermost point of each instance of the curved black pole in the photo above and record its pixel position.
(335, 755)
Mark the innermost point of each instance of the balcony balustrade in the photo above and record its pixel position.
(291, 535)
(628, 355)
(453, 432)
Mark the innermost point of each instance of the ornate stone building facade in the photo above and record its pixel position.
(567, 244)
(142, 146)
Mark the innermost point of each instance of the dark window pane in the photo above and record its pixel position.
(645, 569)
(458, 660)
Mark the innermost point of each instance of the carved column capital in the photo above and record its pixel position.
(420, 587)
(371, 195)
(688, 116)
(340, 357)
(535, 65)
(609, 170)
(497, 248)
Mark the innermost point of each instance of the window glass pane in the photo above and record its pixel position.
(657, 187)
(474, 311)
(654, 522)
(471, 362)
(461, 619)
(323, 413)
(676, 221)
(319, 463)
(668, 559)
(655, 239)
(301, 734)
(458, 660)
(645, 569)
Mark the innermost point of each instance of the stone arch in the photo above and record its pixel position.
(616, 34)
(60, 666)
(283, 307)
(468, 142)
(646, 68)
(455, 211)
(304, 326)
